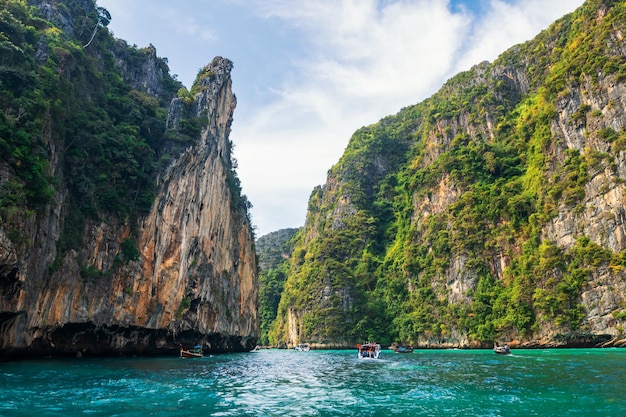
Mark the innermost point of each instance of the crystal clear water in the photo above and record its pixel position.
(560, 382)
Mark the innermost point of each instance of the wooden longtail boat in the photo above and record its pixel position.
(196, 352)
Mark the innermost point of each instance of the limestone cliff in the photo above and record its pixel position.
(493, 210)
(183, 271)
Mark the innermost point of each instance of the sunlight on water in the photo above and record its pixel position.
(322, 383)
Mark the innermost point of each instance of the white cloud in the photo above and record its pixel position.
(189, 26)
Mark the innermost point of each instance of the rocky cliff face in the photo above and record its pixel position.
(599, 215)
(196, 244)
(184, 273)
(451, 245)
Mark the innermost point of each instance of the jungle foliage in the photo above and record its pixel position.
(274, 251)
(63, 99)
(381, 241)
(72, 94)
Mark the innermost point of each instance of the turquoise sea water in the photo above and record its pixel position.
(559, 382)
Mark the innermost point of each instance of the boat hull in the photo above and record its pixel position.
(196, 352)
(188, 354)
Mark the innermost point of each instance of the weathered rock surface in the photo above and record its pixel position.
(196, 278)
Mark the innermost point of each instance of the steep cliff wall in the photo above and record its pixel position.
(184, 272)
(197, 244)
(491, 211)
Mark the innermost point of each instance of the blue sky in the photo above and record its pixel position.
(308, 73)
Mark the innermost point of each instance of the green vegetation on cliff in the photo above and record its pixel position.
(273, 251)
(429, 229)
(84, 112)
(59, 93)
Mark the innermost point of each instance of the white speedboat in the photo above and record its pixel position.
(502, 350)
(369, 350)
(302, 347)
